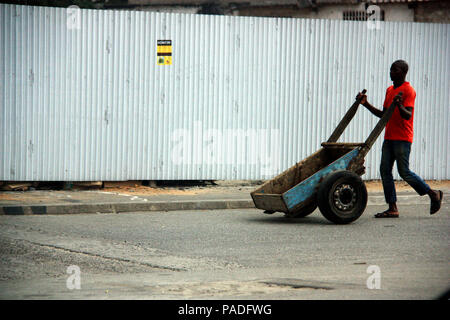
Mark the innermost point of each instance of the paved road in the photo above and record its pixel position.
(225, 254)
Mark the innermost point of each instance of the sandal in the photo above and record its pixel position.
(387, 214)
(436, 204)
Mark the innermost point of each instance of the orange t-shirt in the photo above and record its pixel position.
(398, 128)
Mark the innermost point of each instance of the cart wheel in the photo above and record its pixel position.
(303, 212)
(342, 197)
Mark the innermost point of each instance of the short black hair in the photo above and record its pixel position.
(402, 64)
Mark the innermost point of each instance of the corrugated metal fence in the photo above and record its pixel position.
(244, 97)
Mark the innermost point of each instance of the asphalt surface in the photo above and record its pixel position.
(225, 254)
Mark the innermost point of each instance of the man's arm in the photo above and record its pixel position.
(405, 112)
(371, 108)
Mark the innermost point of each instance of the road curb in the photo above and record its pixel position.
(123, 207)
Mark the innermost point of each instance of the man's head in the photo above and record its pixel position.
(398, 72)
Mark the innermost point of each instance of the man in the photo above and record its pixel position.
(397, 141)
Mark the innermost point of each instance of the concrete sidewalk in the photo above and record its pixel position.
(138, 198)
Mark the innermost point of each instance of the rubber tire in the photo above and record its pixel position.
(325, 197)
(306, 211)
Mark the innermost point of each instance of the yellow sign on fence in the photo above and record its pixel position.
(164, 52)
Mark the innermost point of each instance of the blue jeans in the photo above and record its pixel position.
(399, 151)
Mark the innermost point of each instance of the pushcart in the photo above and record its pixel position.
(329, 179)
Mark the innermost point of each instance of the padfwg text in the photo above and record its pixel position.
(246, 309)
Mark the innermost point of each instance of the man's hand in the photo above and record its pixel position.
(398, 100)
(362, 97)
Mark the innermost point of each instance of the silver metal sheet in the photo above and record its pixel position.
(244, 98)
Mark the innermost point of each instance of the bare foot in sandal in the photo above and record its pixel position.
(387, 214)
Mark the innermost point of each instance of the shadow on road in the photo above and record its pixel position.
(278, 218)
